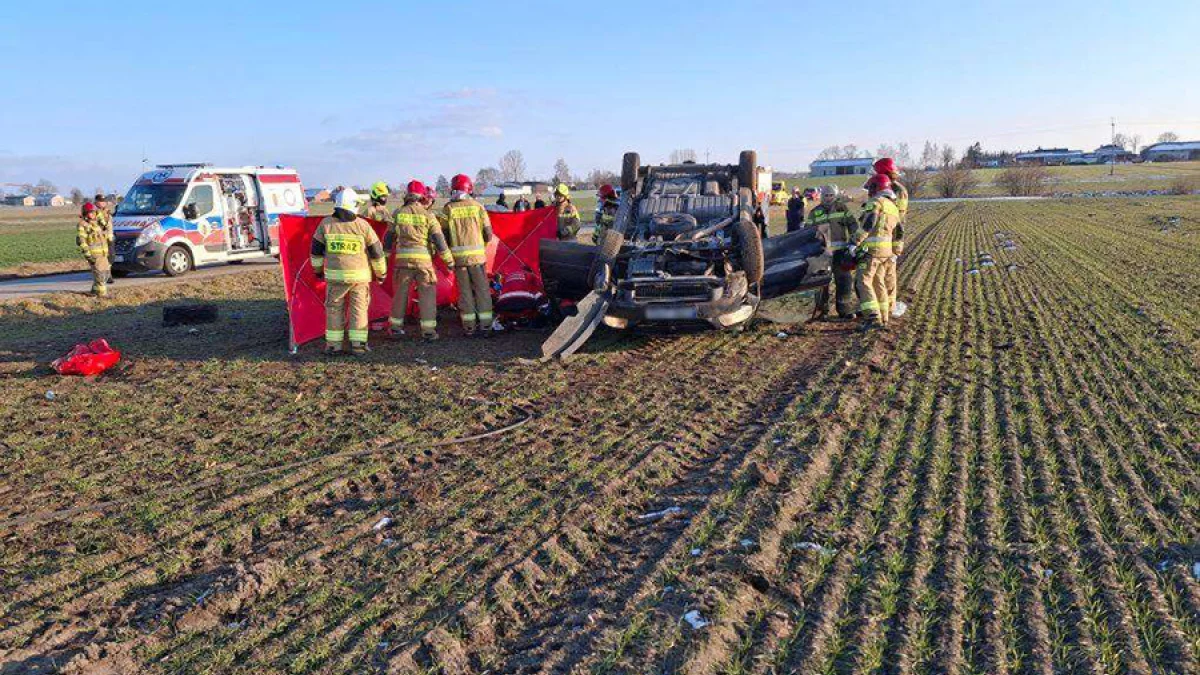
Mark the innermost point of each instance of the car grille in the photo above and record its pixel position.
(124, 246)
(673, 290)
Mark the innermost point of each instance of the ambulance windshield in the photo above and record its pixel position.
(151, 200)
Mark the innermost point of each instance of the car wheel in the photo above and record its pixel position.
(751, 249)
(120, 274)
(630, 165)
(748, 170)
(177, 261)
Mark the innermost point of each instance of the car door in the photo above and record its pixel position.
(205, 225)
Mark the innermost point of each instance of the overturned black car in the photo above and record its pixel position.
(686, 248)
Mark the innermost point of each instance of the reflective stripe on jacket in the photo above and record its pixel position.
(415, 234)
(468, 230)
(348, 252)
(880, 218)
(841, 222)
(91, 238)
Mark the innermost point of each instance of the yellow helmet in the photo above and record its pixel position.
(562, 189)
(379, 189)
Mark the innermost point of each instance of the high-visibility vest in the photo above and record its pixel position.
(92, 238)
(347, 252)
(468, 230)
(880, 217)
(417, 233)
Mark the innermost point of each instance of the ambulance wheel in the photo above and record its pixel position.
(177, 261)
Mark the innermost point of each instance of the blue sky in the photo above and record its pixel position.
(351, 93)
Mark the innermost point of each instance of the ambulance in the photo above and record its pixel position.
(180, 216)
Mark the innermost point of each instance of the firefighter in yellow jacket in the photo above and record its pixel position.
(415, 232)
(376, 208)
(348, 254)
(833, 219)
(606, 210)
(92, 239)
(872, 246)
(468, 231)
(887, 166)
(568, 215)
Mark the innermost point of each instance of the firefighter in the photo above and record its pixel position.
(568, 215)
(835, 222)
(469, 230)
(413, 234)
(606, 215)
(795, 210)
(92, 240)
(376, 208)
(872, 246)
(104, 214)
(347, 253)
(887, 166)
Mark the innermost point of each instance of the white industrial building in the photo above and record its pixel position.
(1180, 151)
(841, 167)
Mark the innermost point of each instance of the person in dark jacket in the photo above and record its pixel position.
(795, 211)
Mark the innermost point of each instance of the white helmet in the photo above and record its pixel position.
(829, 190)
(347, 199)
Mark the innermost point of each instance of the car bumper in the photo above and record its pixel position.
(144, 258)
(724, 312)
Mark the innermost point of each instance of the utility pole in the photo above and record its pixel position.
(707, 153)
(1112, 165)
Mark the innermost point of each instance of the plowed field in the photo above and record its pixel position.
(1006, 482)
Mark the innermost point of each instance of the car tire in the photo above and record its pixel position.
(606, 251)
(751, 245)
(630, 165)
(119, 274)
(748, 170)
(177, 261)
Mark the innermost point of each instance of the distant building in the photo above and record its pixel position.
(48, 199)
(508, 190)
(1051, 157)
(318, 195)
(1179, 151)
(1110, 154)
(841, 167)
(19, 200)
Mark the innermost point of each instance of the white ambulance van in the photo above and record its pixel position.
(183, 215)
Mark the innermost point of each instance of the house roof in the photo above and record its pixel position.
(1173, 146)
(856, 161)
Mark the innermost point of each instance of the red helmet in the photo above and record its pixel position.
(878, 183)
(462, 183)
(607, 191)
(885, 165)
(89, 208)
(416, 187)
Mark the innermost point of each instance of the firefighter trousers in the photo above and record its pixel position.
(474, 297)
(890, 282)
(342, 299)
(871, 282)
(843, 295)
(426, 283)
(100, 274)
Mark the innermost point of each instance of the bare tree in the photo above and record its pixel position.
(953, 180)
(442, 185)
(929, 154)
(485, 177)
(512, 166)
(598, 177)
(44, 187)
(831, 152)
(914, 179)
(1024, 181)
(1135, 142)
(849, 151)
(903, 157)
(1168, 137)
(947, 156)
(562, 173)
(77, 196)
(681, 155)
(1121, 141)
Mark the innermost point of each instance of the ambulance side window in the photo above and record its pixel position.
(202, 198)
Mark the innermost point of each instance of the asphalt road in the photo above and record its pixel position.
(81, 282)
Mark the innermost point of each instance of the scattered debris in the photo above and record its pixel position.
(88, 359)
(193, 331)
(696, 552)
(781, 335)
(1196, 570)
(1013, 267)
(656, 515)
(747, 543)
(695, 620)
(50, 395)
(204, 596)
(973, 271)
(186, 315)
(899, 308)
(384, 522)
(814, 546)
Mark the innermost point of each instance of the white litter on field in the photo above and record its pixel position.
(384, 522)
(1196, 570)
(899, 309)
(781, 335)
(972, 271)
(695, 620)
(814, 546)
(696, 552)
(747, 543)
(50, 395)
(655, 515)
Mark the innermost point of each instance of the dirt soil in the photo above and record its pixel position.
(1007, 481)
